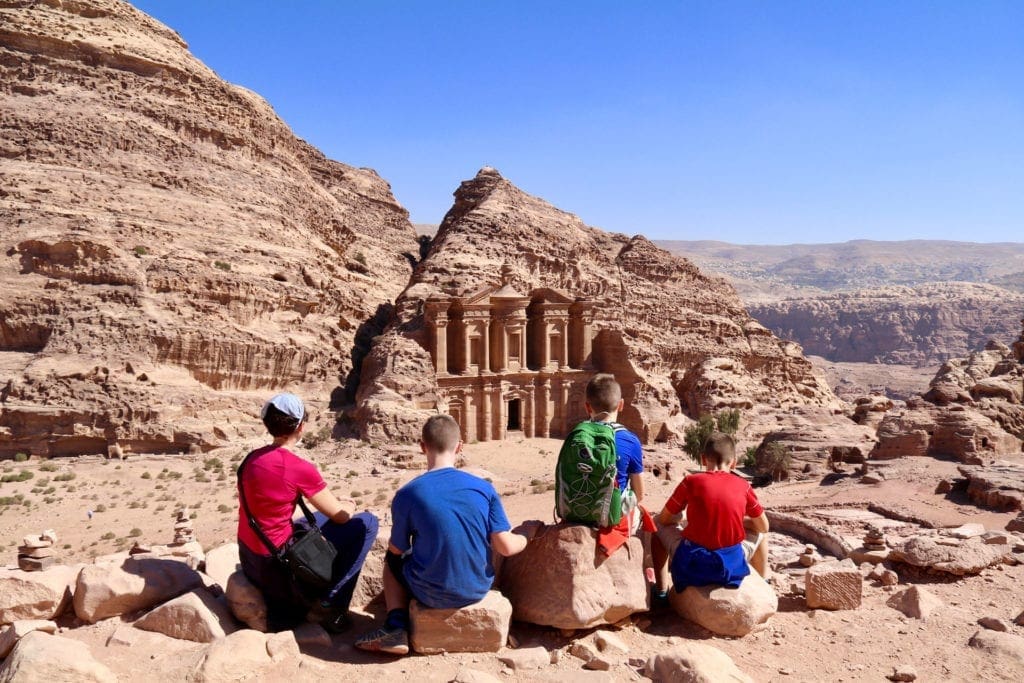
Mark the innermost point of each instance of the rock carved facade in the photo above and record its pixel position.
(507, 362)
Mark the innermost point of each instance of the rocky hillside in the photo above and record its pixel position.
(923, 325)
(683, 335)
(167, 243)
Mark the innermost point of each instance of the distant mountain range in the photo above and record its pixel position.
(765, 272)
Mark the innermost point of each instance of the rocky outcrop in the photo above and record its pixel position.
(1000, 487)
(40, 656)
(922, 325)
(727, 611)
(973, 408)
(166, 241)
(678, 339)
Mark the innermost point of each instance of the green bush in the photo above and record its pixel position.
(48, 467)
(222, 265)
(109, 536)
(750, 457)
(67, 476)
(20, 457)
(141, 251)
(147, 475)
(777, 461)
(23, 475)
(696, 436)
(135, 532)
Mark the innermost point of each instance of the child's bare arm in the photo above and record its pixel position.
(508, 543)
(758, 524)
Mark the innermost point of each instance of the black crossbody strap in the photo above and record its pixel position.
(253, 524)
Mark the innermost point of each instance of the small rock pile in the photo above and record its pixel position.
(809, 557)
(183, 531)
(36, 551)
(874, 539)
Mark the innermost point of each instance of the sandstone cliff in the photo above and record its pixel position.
(680, 337)
(167, 243)
(922, 325)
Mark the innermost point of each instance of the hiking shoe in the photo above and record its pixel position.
(391, 641)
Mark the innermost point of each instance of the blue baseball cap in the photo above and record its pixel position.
(289, 404)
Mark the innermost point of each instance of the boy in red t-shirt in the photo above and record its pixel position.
(712, 545)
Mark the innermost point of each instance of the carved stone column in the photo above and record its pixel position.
(441, 346)
(526, 415)
(588, 341)
(564, 359)
(487, 408)
(545, 357)
(485, 346)
(543, 405)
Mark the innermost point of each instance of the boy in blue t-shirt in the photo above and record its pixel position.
(603, 403)
(445, 523)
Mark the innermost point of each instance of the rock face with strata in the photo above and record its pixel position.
(678, 340)
(165, 240)
(996, 486)
(561, 579)
(923, 325)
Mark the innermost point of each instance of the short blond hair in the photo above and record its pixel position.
(441, 433)
(604, 393)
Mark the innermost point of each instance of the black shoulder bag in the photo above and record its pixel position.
(307, 554)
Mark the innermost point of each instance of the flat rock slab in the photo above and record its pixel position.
(1000, 487)
(695, 663)
(221, 563)
(727, 611)
(108, 591)
(480, 627)
(526, 659)
(36, 595)
(561, 579)
(997, 643)
(949, 555)
(43, 658)
(247, 655)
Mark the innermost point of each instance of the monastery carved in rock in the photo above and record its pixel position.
(511, 362)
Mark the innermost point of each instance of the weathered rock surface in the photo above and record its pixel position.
(923, 325)
(809, 438)
(193, 616)
(163, 236)
(694, 663)
(716, 356)
(915, 602)
(43, 658)
(834, 585)
(1000, 487)
(965, 557)
(242, 655)
(561, 579)
(246, 601)
(370, 586)
(728, 611)
(480, 627)
(526, 659)
(1001, 644)
(108, 591)
(36, 595)
(21, 628)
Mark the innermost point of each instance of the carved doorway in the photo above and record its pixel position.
(514, 415)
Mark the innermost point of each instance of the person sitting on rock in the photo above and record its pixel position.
(603, 401)
(712, 545)
(272, 479)
(445, 523)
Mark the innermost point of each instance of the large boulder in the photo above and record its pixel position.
(950, 556)
(221, 563)
(480, 627)
(561, 579)
(246, 601)
(1005, 644)
(108, 591)
(690, 662)
(370, 585)
(243, 655)
(834, 585)
(43, 658)
(727, 611)
(196, 616)
(35, 595)
(19, 629)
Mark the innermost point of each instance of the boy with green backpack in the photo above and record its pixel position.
(599, 476)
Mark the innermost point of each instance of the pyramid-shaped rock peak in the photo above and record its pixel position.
(679, 340)
(167, 241)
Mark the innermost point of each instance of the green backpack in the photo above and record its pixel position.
(585, 489)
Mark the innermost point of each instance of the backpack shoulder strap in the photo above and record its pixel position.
(253, 524)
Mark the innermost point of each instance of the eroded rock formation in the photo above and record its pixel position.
(974, 407)
(166, 241)
(678, 340)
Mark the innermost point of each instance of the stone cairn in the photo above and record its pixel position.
(183, 532)
(874, 539)
(36, 551)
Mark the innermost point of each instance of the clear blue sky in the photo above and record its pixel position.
(752, 122)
